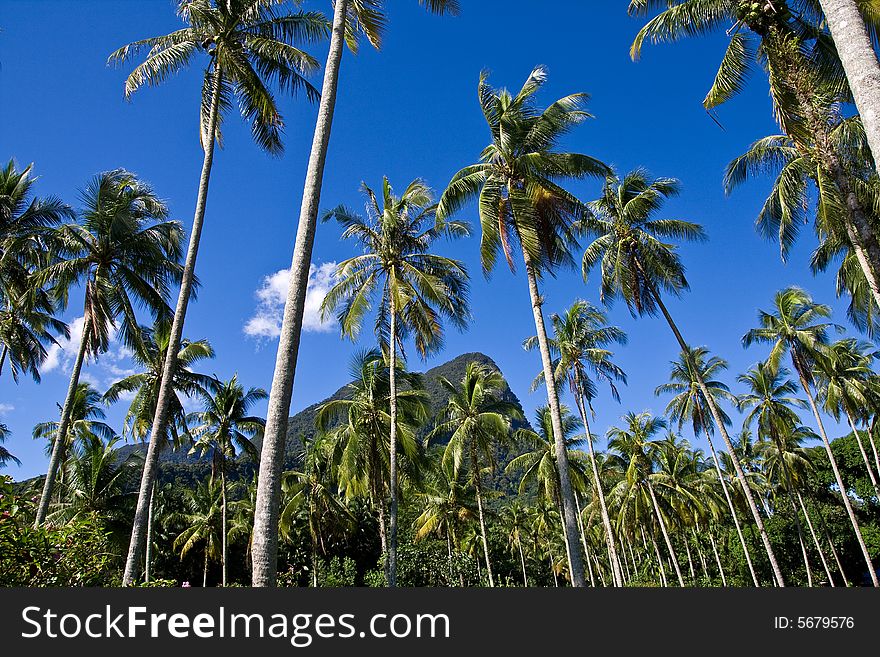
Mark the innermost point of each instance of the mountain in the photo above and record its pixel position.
(180, 465)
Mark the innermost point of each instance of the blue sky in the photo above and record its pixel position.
(407, 111)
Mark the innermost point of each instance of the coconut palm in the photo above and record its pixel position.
(581, 337)
(5, 455)
(249, 47)
(417, 289)
(796, 326)
(27, 321)
(314, 489)
(514, 519)
(363, 437)
(522, 205)
(636, 264)
(123, 252)
(632, 444)
(852, 39)
(447, 505)
(224, 428)
(351, 18)
(201, 522)
(843, 375)
(806, 85)
(476, 420)
(689, 405)
(774, 416)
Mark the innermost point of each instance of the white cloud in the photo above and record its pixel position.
(64, 352)
(6, 408)
(272, 293)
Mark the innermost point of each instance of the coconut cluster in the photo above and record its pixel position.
(761, 15)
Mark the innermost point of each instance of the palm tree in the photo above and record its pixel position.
(314, 490)
(150, 355)
(843, 375)
(201, 521)
(805, 84)
(795, 326)
(580, 346)
(97, 482)
(27, 321)
(363, 437)
(688, 404)
(636, 264)
(476, 420)
(250, 46)
(417, 288)
(124, 252)
(350, 19)
(856, 51)
(521, 204)
(223, 429)
(514, 519)
(772, 410)
(5, 455)
(447, 504)
(632, 443)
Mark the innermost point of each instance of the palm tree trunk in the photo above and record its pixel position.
(840, 485)
(392, 378)
(223, 516)
(719, 422)
(874, 450)
(787, 485)
(148, 555)
(833, 549)
(553, 569)
(616, 574)
(265, 549)
(659, 562)
(599, 570)
(701, 555)
(871, 475)
(449, 554)
(166, 387)
(522, 561)
(569, 524)
(584, 539)
(3, 357)
(60, 444)
(205, 569)
(478, 488)
(383, 533)
(859, 60)
(665, 533)
(718, 560)
(816, 540)
(730, 506)
(687, 549)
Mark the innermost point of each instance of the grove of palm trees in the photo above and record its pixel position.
(513, 334)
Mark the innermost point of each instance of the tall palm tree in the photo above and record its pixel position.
(632, 443)
(351, 18)
(521, 204)
(476, 419)
(416, 288)
(636, 264)
(5, 455)
(514, 519)
(796, 326)
(363, 434)
(123, 252)
(774, 416)
(688, 404)
(805, 84)
(224, 428)
(249, 47)
(314, 489)
(581, 337)
(447, 505)
(27, 321)
(201, 522)
(852, 39)
(843, 375)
